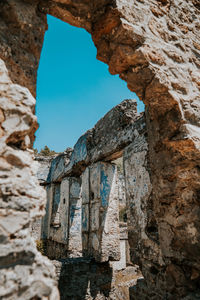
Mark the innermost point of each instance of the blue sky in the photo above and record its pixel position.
(74, 89)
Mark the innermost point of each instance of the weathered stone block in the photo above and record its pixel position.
(121, 264)
(55, 213)
(103, 233)
(43, 169)
(85, 218)
(94, 182)
(62, 222)
(64, 209)
(24, 273)
(55, 221)
(138, 189)
(85, 241)
(75, 224)
(85, 189)
(75, 218)
(46, 221)
(55, 224)
(80, 154)
(35, 229)
(107, 139)
(75, 188)
(94, 216)
(142, 228)
(57, 167)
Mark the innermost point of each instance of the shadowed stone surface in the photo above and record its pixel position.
(81, 279)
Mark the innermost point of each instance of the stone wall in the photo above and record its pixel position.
(24, 273)
(153, 46)
(82, 213)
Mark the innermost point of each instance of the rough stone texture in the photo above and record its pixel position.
(62, 221)
(22, 28)
(154, 46)
(24, 273)
(58, 165)
(122, 190)
(43, 169)
(82, 215)
(103, 142)
(46, 220)
(81, 279)
(124, 250)
(35, 228)
(142, 227)
(75, 217)
(100, 212)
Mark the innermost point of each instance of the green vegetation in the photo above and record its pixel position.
(45, 151)
(41, 246)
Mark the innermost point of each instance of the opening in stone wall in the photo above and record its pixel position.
(81, 86)
(84, 91)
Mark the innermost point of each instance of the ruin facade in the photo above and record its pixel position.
(85, 190)
(153, 46)
(82, 223)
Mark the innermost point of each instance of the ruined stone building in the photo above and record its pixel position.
(86, 202)
(154, 45)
